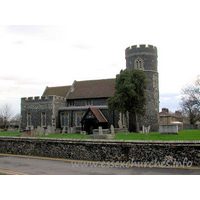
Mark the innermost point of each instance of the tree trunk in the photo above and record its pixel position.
(136, 122)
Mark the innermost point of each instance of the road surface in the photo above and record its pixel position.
(32, 165)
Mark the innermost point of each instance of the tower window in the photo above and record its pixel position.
(139, 64)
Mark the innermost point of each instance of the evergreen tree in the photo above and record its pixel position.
(129, 93)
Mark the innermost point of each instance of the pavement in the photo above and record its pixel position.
(33, 165)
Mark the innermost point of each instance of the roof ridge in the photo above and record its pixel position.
(97, 80)
(59, 86)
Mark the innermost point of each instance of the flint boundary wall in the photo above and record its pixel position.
(102, 150)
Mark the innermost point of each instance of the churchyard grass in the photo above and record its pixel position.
(16, 134)
(183, 135)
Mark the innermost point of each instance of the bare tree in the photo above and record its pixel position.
(190, 101)
(6, 113)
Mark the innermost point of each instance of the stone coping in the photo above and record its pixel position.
(100, 141)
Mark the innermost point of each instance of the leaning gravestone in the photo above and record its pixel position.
(147, 129)
(63, 131)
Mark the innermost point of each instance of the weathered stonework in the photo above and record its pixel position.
(148, 57)
(103, 150)
(36, 106)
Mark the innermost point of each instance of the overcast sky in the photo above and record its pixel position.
(89, 42)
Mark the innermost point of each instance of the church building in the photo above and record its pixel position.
(82, 106)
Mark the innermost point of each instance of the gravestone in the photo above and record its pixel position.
(41, 131)
(63, 131)
(58, 131)
(83, 133)
(46, 132)
(147, 129)
(38, 130)
(48, 129)
(100, 130)
(120, 124)
(33, 133)
(53, 130)
(143, 129)
(112, 130)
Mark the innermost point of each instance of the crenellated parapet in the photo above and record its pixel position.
(51, 98)
(141, 49)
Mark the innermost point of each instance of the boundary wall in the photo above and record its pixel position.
(103, 150)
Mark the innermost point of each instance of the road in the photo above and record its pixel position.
(31, 165)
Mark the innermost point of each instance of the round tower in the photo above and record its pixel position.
(145, 58)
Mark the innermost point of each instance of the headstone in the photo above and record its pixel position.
(120, 124)
(83, 132)
(38, 130)
(63, 131)
(46, 132)
(53, 130)
(48, 129)
(143, 129)
(58, 131)
(100, 130)
(147, 129)
(33, 133)
(41, 131)
(112, 130)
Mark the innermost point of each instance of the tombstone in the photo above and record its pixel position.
(100, 130)
(112, 130)
(63, 131)
(46, 132)
(147, 129)
(143, 129)
(83, 133)
(32, 127)
(120, 124)
(48, 129)
(53, 130)
(58, 131)
(168, 129)
(33, 133)
(41, 131)
(38, 130)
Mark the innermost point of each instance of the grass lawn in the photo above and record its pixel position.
(183, 135)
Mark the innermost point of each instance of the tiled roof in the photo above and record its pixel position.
(59, 91)
(93, 89)
(98, 114)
